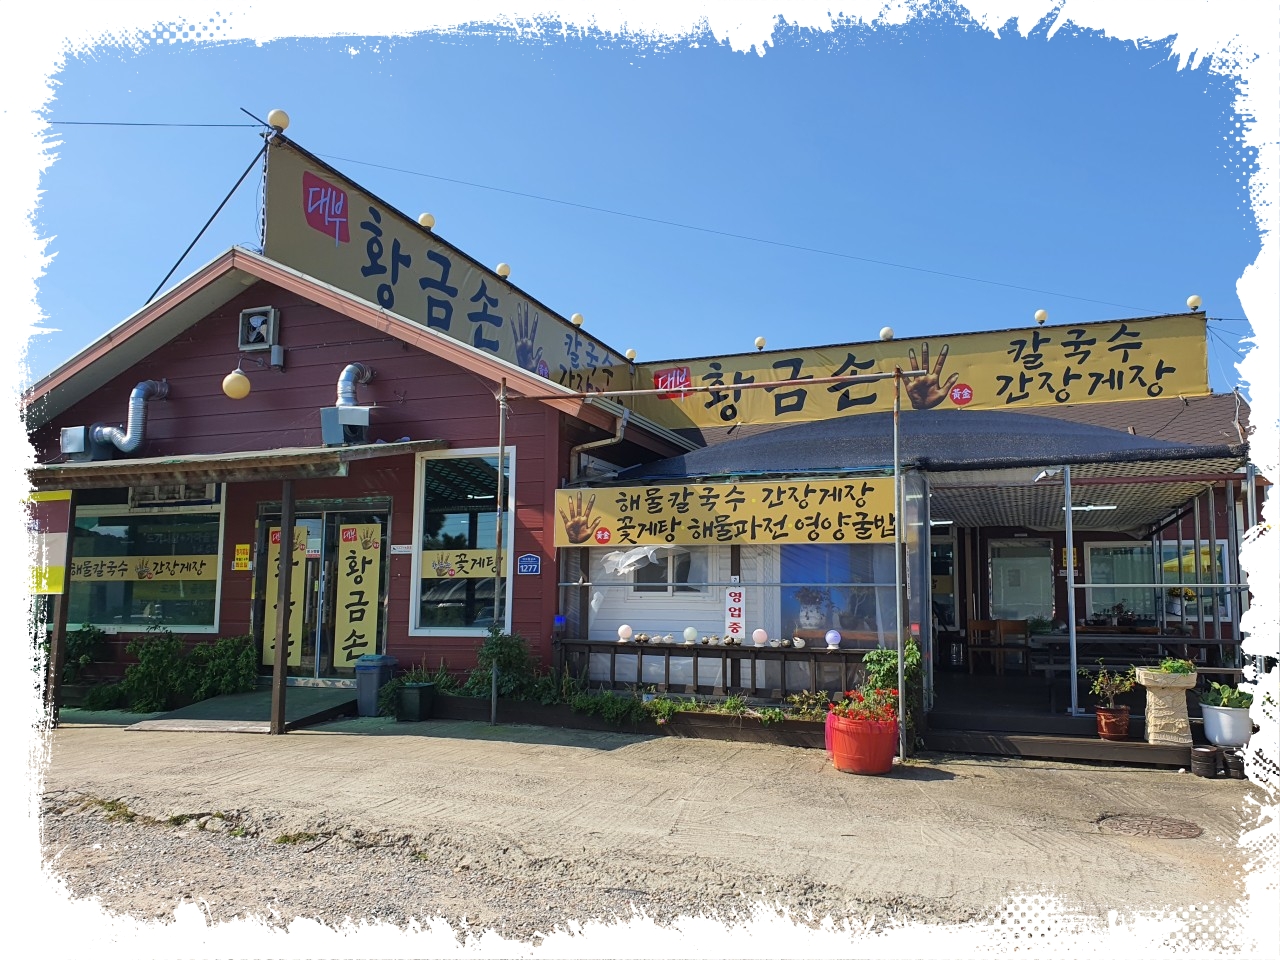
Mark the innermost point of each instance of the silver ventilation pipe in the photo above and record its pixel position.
(130, 438)
(352, 374)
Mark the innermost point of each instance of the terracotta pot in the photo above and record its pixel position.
(862, 746)
(1113, 722)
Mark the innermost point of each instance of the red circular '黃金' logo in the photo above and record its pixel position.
(961, 394)
(603, 535)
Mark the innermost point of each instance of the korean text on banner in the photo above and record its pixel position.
(324, 225)
(816, 511)
(297, 570)
(355, 624)
(995, 370)
(458, 564)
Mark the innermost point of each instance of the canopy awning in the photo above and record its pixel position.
(285, 463)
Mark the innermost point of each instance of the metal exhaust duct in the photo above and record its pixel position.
(130, 438)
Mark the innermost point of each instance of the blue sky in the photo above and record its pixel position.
(1089, 168)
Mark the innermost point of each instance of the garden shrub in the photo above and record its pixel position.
(882, 672)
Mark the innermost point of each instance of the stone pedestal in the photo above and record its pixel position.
(1166, 715)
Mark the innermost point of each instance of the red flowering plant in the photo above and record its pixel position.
(869, 703)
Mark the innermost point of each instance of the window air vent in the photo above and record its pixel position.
(259, 328)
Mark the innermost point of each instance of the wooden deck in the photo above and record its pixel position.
(1011, 716)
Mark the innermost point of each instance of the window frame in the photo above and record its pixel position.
(419, 514)
(123, 509)
(671, 587)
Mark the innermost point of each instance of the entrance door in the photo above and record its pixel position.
(1021, 579)
(339, 612)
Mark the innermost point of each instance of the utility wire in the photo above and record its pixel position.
(251, 165)
(97, 123)
(636, 216)
(735, 236)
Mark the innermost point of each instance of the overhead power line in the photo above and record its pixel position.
(655, 220)
(736, 236)
(104, 123)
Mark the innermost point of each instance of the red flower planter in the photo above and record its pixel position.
(862, 746)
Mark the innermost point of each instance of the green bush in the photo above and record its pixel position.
(167, 677)
(518, 674)
(84, 647)
(882, 672)
(610, 707)
(228, 665)
(160, 679)
(103, 696)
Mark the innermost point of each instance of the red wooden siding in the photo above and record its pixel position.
(416, 395)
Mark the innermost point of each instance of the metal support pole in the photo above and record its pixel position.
(899, 565)
(1215, 568)
(285, 571)
(1071, 590)
(1199, 581)
(501, 504)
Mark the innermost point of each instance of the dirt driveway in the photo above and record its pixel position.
(524, 829)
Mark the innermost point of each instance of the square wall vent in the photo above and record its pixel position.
(259, 328)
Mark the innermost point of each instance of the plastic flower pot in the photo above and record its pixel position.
(1113, 722)
(414, 701)
(862, 746)
(1226, 726)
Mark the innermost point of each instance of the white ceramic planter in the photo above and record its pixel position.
(1226, 726)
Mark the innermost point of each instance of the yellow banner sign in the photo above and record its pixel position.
(998, 370)
(359, 573)
(817, 511)
(126, 569)
(327, 227)
(458, 564)
(297, 584)
(49, 514)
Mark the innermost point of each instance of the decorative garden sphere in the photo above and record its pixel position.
(624, 633)
(690, 634)
(833, 638)
(760, 637)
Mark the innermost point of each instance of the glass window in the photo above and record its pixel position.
(1188, 597)
(134, 570)
(1124, 564)
(457, 537)
(843, 586)
(680, 571)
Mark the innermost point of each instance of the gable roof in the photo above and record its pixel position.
(223, 278)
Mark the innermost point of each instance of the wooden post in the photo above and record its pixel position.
(285, 562)
(58, 624)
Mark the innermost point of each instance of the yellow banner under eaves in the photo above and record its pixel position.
(997, 370)
(817, 511)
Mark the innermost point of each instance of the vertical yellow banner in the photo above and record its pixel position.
(359, 572)
(297, 572)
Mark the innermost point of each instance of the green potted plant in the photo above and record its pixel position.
(1166, 709)
(415, 695)
(1113, 721)
(813, 607)
(1226, 715)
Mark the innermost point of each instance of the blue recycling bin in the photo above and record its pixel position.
(372, 671)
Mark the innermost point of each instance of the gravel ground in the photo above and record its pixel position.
(235, 866)
(525, 831)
